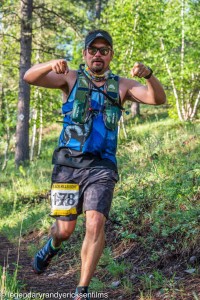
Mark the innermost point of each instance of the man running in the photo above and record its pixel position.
(85, 166)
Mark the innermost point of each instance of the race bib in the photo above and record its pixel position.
(64, 199)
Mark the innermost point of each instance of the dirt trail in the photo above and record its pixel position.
(60, 278)
(56, 279)
(51, 281)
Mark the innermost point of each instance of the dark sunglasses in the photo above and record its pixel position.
(103, 50)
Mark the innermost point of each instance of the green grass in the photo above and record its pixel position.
(160, 168)
(8, 284)
(157, 197)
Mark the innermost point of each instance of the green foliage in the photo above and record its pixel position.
(157, 195)
(24, 192)
(116, 269)
(8, 284)
(143, 25)
(138, 38)
(106, 257)
(153, 281)
(57, 29)
(128, 286)
(97, 285)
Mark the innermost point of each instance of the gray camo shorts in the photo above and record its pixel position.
(96, 187)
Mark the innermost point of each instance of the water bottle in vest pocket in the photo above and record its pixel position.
(80, 109)
(111, 116)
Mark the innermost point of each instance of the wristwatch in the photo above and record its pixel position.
(151, 72)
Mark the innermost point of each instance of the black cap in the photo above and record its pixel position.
(98, 34)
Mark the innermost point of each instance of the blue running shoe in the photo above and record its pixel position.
(43, 257)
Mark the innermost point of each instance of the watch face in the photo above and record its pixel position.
(151, 72)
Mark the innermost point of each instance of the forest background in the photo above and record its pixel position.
(162, 34)
(161, 146)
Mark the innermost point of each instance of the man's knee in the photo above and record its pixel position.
(95, 222)
(62, 230)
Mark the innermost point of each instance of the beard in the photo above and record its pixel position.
(97, 68)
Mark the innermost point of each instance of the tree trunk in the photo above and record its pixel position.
(135, 109)
(22, 130)
(34, 132)
(7, 133)
(40, 131)
(182, 55)
(4, 118)
(98, 9)
(194, 112)
(121, 121)
(172, 82)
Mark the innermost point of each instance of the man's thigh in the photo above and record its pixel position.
(99, 193)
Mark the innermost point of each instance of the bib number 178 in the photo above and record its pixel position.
(64, 199)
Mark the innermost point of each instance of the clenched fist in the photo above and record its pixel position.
(59, 66)
(140, 70)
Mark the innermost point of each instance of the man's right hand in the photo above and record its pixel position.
(46, 74)
(59, 66)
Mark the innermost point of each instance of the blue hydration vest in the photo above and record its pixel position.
(92, 137)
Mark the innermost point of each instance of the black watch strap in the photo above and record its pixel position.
(151, 72)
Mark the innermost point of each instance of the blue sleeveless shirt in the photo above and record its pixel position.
(91, 138)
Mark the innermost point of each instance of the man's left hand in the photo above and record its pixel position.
(139, 70)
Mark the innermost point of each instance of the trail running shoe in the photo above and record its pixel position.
(43, 257)
(78, 296)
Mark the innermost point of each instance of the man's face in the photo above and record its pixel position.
(98, 62)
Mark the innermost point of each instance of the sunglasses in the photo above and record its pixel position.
(103, 50)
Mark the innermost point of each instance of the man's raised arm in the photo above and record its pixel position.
(151, 93)
(51, 74)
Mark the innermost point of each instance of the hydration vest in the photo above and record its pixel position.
(81, 107)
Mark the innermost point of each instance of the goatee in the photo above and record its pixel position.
(97, 68)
